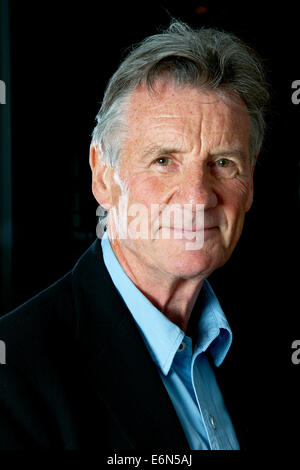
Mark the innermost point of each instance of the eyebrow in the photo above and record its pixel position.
(229, 153)
(157, 150)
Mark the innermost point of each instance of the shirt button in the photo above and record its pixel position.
(213, 422)
(181, 347)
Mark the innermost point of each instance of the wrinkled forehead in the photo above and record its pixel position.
(171, 110)
(167, 100)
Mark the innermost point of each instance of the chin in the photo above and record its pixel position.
(194, 263)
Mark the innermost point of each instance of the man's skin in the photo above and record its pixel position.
(183, 145)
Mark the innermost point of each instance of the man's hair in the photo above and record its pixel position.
(206, 58)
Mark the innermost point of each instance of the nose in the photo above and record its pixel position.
(197, 187)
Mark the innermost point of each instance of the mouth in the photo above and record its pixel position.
(184, 234)
(192, 230)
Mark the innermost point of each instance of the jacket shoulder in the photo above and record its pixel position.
(41, 324)
(39, 350)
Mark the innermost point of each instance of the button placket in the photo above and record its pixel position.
(213, 422)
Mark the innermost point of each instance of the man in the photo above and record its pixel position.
(123, 351)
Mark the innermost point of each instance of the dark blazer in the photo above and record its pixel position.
(78, 374)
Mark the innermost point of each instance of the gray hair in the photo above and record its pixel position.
(206, 58)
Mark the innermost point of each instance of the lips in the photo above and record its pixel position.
(183, 234)
(193, 229)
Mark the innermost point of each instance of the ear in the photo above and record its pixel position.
(250, 196)
(100, 178)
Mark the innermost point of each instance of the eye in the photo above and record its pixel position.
(163, 161)
(224, 163)
(224, 168)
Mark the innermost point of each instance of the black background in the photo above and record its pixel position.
(62, 55)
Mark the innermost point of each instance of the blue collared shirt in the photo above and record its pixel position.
(185, 371)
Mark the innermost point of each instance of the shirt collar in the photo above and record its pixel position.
(214, 332)
(162, 337)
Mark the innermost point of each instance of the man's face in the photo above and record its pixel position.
(184, 146)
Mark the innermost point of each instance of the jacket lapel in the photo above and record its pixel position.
(117, 360)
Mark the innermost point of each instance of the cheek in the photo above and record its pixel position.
(147, 189)
(234, 202)
(236, 195)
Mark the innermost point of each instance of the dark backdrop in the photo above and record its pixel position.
(62, 54)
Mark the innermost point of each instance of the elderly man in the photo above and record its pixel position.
(122, 352)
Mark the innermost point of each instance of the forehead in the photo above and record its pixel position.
(185, 113)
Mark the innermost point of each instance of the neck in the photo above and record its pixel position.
(175, 297)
